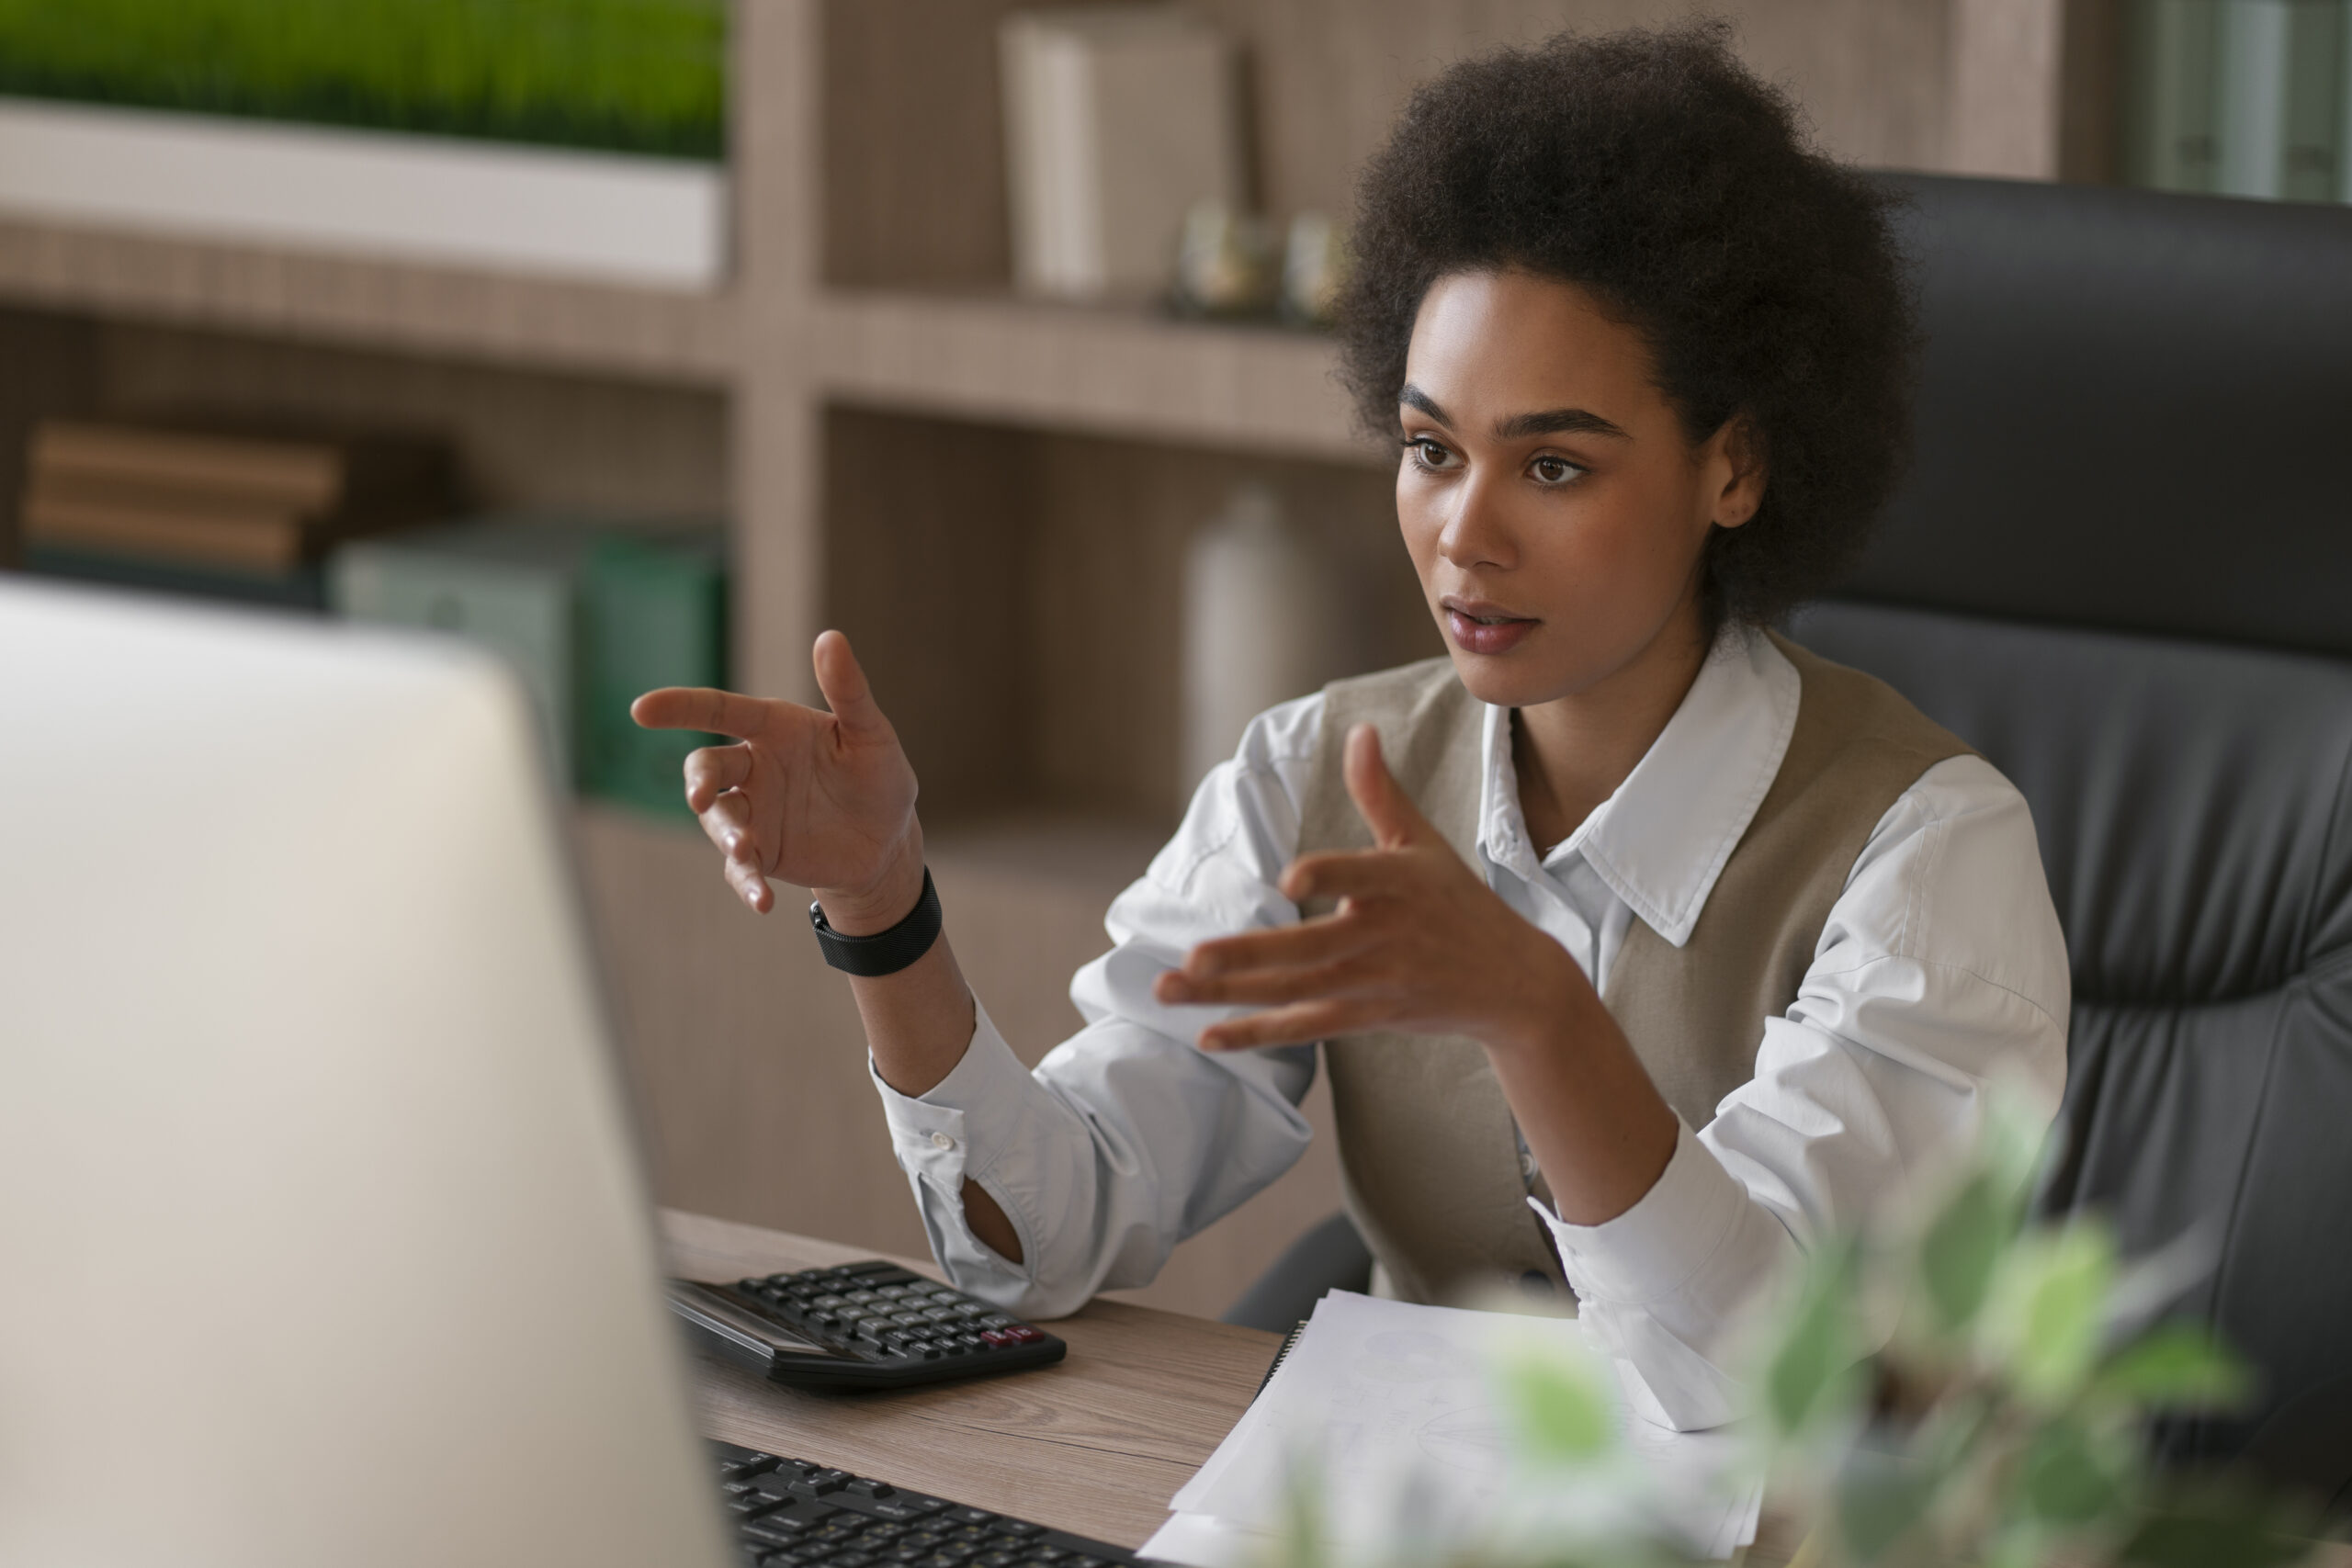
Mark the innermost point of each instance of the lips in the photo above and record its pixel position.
(1478, 626)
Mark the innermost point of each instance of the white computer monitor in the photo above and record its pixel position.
(322, 1236)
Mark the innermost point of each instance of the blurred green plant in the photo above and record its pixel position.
(2001, 1424)
(626, 76)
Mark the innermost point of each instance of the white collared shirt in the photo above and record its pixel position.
(1940, 969)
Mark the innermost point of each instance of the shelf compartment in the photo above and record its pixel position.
(1100, 372)
(1015, 597)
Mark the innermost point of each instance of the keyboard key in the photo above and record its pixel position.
(905, 1513)
(1020, 1528)
(865, 1486)
(853, 1559)
(971, 1515)
(779, 1531)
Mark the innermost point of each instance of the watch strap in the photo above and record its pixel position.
(884, 952)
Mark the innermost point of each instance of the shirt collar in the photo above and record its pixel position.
(1660, 842)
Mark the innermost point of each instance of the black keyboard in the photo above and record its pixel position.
(795, 1513)
(871, 1325)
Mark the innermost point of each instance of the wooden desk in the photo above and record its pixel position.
(1096, 1444)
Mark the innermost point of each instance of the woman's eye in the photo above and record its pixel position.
(1429, 453)
(1554, 470)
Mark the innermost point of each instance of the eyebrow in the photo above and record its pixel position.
(1519, 426)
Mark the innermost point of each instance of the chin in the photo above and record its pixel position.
(1512, 680)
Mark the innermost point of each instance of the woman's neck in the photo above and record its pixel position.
(1572, 753)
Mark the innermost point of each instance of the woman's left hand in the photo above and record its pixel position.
(1419, 944)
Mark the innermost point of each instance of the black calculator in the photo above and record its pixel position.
(870, 1324)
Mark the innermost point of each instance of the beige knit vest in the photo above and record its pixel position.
(1428, 1154)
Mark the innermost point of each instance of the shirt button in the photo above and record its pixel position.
(942, 1141)
(1527, 1165)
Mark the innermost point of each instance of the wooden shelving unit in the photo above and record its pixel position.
(991, 495)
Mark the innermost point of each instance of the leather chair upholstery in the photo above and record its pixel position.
(2133, 416)
(2194, 807)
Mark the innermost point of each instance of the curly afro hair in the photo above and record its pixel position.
(1655, 171)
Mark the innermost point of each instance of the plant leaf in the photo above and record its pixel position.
(2050, 1298)
(1880, 1499)
(2065, 1481)
(2177, 1365)
(1958, 1253)
(1811, 1368)
(1561, 1416)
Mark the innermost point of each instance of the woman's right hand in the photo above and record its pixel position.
(825, 800)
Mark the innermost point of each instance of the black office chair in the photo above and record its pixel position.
(2122, 568)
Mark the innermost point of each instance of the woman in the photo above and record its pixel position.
(1643, 947)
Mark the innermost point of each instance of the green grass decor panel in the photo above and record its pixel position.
(625, 75)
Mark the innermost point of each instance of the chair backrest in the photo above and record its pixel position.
(2127, 506)
(2192, 807)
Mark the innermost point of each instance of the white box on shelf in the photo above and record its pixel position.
(1118, 118)
(609, 217)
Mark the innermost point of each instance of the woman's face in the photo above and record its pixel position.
(1550, 499)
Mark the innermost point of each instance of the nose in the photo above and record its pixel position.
(1475, 534)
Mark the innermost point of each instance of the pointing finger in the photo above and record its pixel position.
(1390, 814)
(701, 707)
(1306, 943)
(1343, 874)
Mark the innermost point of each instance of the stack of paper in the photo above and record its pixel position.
(1384, 1419)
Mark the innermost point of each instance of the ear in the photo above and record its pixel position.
(1734, 462)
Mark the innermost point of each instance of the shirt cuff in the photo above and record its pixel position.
(1654, 1249)
(930, 1133)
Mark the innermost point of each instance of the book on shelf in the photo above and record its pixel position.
(265, 503)
(1118, 121)
(588, 612)
(2241, 98)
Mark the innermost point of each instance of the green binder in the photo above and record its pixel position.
(654, 607)
(588, 612)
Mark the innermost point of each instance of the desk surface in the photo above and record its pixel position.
(1096, 1444)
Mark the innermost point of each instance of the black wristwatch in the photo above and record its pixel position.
(886, 952)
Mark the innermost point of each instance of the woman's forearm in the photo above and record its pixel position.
(919, 1022)
(1599, 1129)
